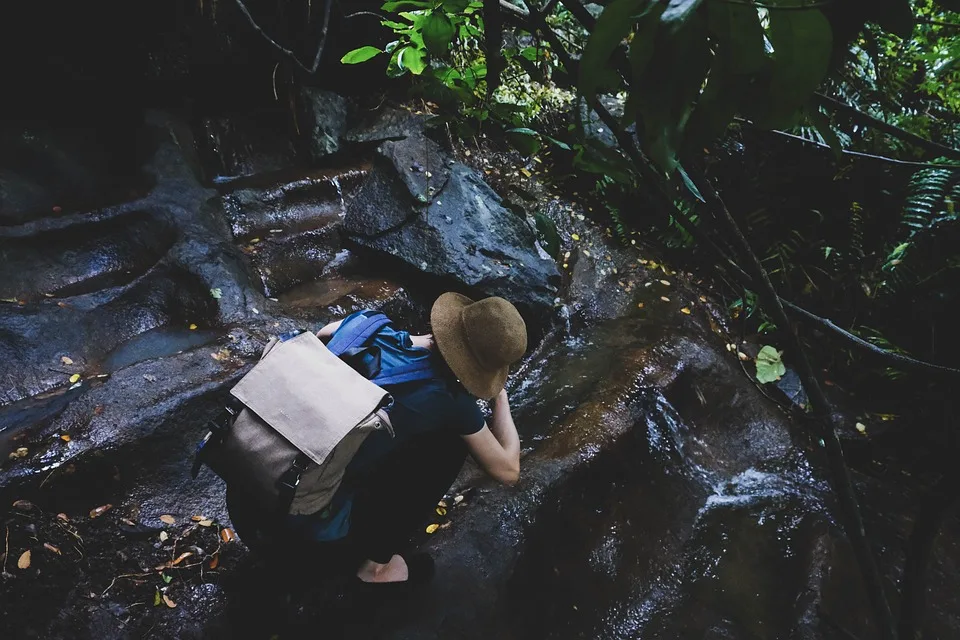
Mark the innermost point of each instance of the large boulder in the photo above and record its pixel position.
(326, 120)
(465, 234)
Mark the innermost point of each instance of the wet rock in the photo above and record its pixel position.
(466, 235)
(325, 121)
(237, 145)
(386, 124)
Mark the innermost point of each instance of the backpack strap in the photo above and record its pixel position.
(418, 370)
(356, 332)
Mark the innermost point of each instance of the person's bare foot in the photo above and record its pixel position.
(393, 571)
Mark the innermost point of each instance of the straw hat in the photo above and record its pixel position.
(478, 340)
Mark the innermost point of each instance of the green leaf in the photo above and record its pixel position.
(641, 47)
(547, 234)
(360, 55)
(216, 293)
(157, 598)
(678, 11)
(406, 4)
(438, 32)
(689, 184)
(558, 143)
(822, 124)
(769, 365)
(524, 140)
(611, 28)
(167, 579)
(802, 42)
(740, 35)
(455, 6)
(412, 59)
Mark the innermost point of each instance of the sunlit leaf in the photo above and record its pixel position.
(430, 528)
(438, 33)
(361, 54)
(770, 367)
(74, 378)
(168, 519)
(24, 561)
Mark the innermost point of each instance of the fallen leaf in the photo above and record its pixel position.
(157, 599)
(149, 377)
(665, 283)
(218, 293)
(255, 241)
(196, 518)
(665, 298)
(214, 561)
(74, 378)
(703, 298)
(742, 356)
(446, 524)
(166, 579)
(64, 517)
(128, 522)
(97, 410)
(769, 365)
(525, 172)
(430, 529)
(441, 511)
(183, 556)
(99, 511)
(65, 437)
(205, 523)
(227, 535)
(163, 536)
(23, 505)
(24, 561)
(192, 327)
(575, 236)
(862, 428)
(442, 503)
(170, 603)
(66, 360)
(639, 305)
(51, 548)
(685, 310)
(458, 499)
(168, 519)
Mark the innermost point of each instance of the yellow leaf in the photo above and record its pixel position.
(66, 360)
(192, 326)
(430, 529)
(703, 298)
(65, 437)
(205, 523)
(441, 511)
(170, 603)
(24, 561)
(168, 519)
(74, 378)
(862, 428)
(255, 241)
(640, 305)
(525, 172)
(575, 236)
(685, 310)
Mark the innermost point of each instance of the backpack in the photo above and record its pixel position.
(294, 422)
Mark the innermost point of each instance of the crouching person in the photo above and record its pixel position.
(394, 480)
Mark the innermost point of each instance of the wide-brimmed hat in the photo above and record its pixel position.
(479, 340)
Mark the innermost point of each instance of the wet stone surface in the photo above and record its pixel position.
(663, 495)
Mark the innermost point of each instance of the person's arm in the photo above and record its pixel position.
(497, 448)
(328, 330)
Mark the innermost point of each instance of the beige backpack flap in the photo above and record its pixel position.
(308, 395)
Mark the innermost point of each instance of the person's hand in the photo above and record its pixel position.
(501, 397)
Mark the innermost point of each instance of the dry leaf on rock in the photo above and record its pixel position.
(24, 561)
(99, 511)
(168, 519)
(170, 603)
(66, 360)
(227, 535)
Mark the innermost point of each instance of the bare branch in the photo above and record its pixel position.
(287, 52)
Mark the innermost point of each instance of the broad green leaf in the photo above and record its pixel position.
(455, 6)
(414, 60)
(406, 4)
(547, 234)
(438, 32)
(644, 38)
(802, 42)
(678, 11)
(559, 143)
(524, 140)
(360, 55)
(769, 365)
(611, 28)
(740, 35)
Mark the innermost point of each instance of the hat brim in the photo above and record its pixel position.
(451, 339)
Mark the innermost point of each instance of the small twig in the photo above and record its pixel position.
(6, 551)
(287, 52)
(365, 13)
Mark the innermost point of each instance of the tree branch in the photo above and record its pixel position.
(287, 52)
(868, 120)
